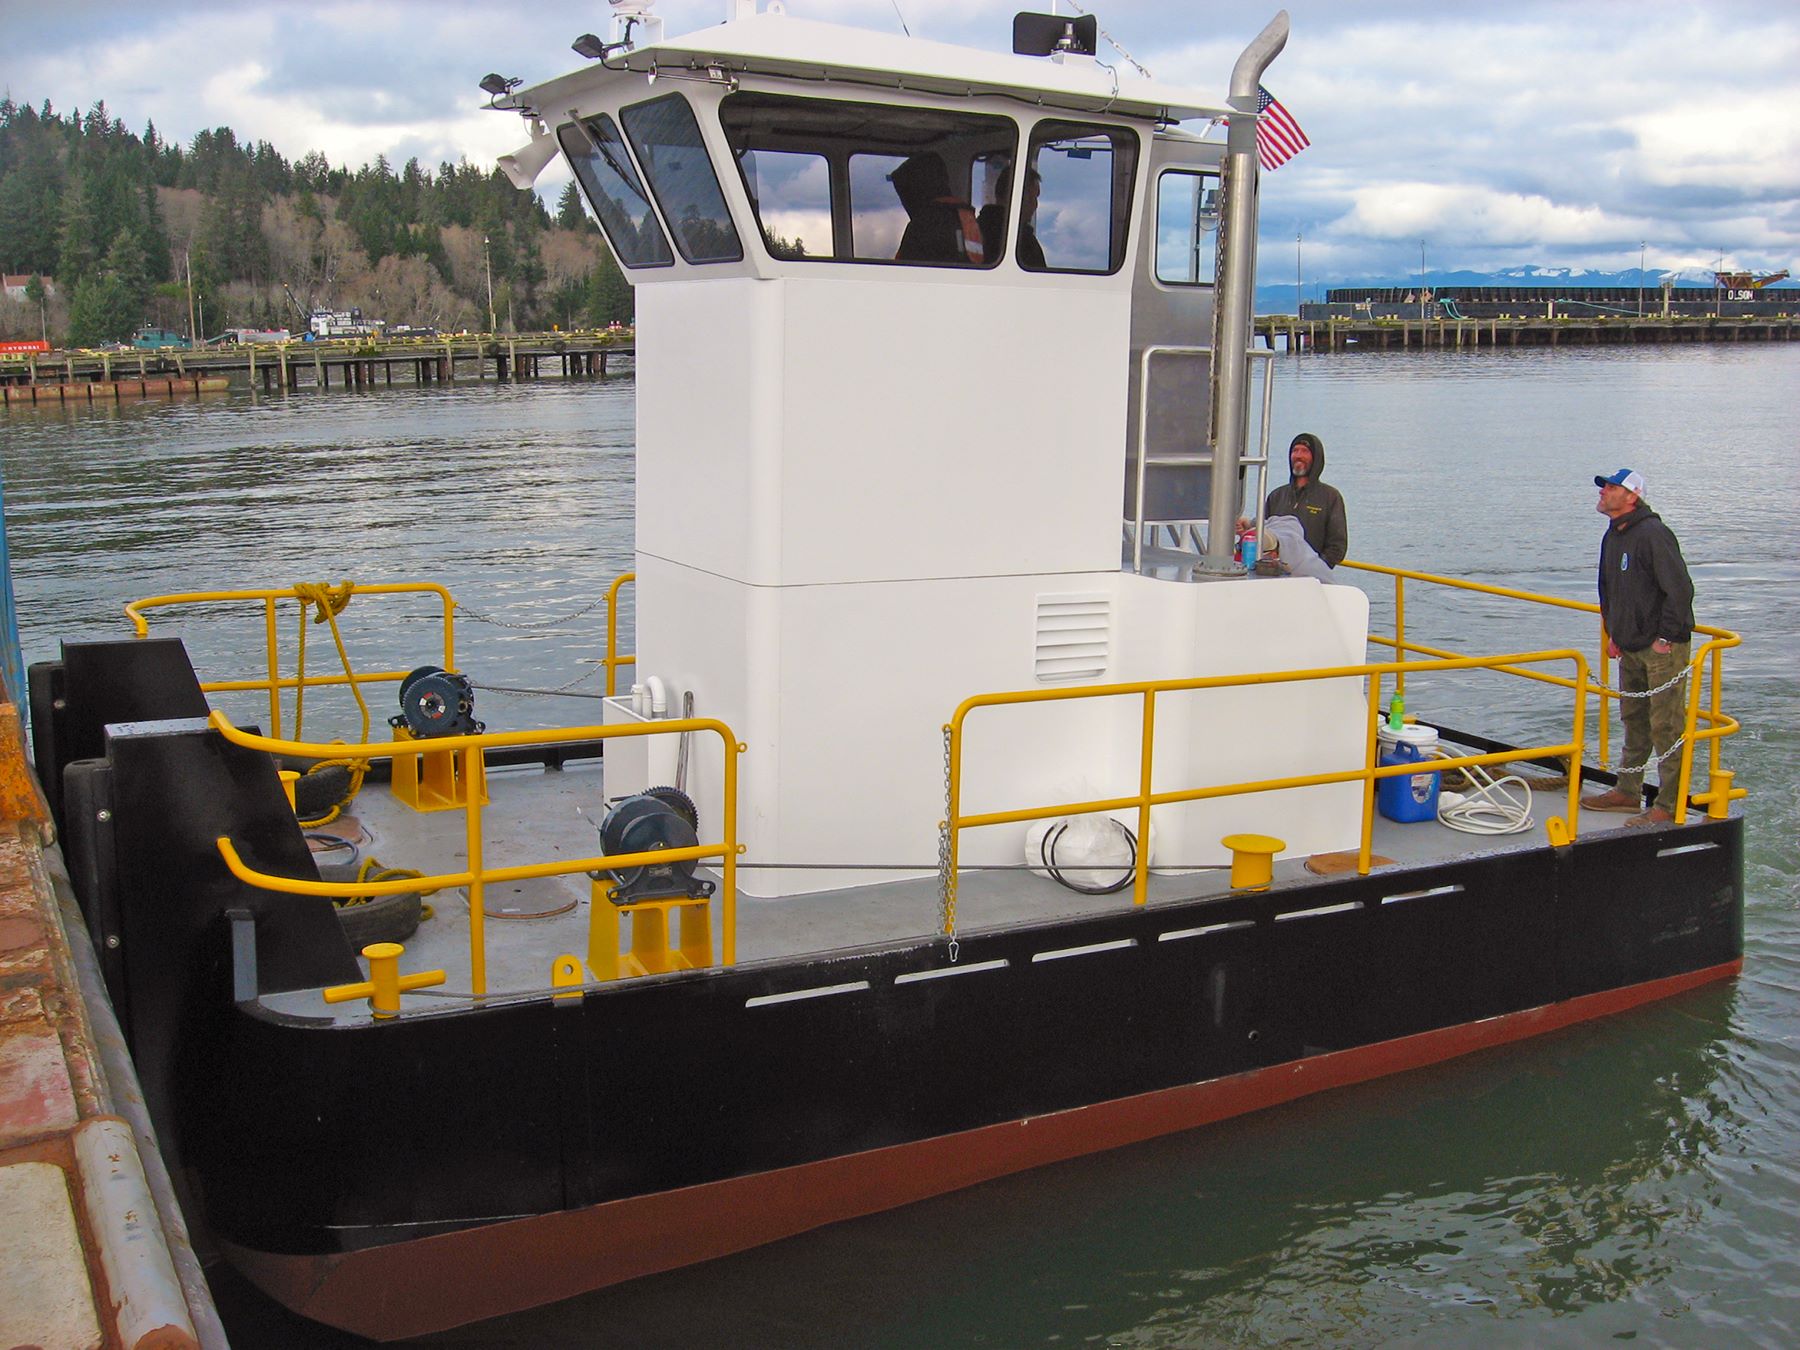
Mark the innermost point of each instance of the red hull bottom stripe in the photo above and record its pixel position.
(429, 1284)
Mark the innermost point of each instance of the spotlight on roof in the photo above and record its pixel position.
(589, 46)
(497, 85)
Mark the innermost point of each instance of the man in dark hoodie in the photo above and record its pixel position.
(1318, 506)
(1647, 604)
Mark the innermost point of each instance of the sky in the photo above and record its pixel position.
(1556, 133)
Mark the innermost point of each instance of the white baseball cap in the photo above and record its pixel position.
(1629, 479)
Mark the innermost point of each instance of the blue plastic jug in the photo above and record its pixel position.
(1407, 797)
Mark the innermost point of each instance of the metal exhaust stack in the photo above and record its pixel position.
(1234, 305)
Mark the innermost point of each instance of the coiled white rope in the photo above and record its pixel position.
(1491, 806)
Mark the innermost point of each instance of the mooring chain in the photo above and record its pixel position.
(531, 627)
(947, 873)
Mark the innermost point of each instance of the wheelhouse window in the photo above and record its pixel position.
(1187, 228)
(666, 140)
(872, 183)
(606, 174)
(1082, 175)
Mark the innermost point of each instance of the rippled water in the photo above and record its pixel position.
(1636, 1179)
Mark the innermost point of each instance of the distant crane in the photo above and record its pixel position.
(1744, 285)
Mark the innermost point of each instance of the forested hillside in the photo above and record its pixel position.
(121, 223)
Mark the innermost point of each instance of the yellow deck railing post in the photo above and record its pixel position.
(613, 660)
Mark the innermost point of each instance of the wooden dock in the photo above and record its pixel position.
(357, 364)
(1284, 332)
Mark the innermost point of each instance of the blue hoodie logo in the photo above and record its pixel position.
(1624, 561)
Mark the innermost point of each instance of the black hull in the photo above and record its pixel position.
(526, 1152)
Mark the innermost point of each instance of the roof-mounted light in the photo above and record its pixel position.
(499, 90)
(633, 26)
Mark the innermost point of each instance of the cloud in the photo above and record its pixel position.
(1536, 131)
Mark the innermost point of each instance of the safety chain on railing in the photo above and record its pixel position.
(1669, 683)
(1655, 760)
(530, 627)
(1651, 763)
(515, 691)
(947, 873)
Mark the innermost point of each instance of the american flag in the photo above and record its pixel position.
(1278, 135)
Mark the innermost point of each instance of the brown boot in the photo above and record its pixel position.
(1612, 800)
(1654, 816)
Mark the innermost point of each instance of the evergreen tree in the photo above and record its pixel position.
(79, 245)
(31, 212)
(571, 210)
(155, 239)
(609, 295)
(109, 303)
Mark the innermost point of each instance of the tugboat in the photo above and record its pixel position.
(971, 807)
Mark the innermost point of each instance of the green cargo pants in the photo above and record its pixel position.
(1654, 722)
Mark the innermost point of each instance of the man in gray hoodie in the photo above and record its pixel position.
(1647, 605)
(1317, 505)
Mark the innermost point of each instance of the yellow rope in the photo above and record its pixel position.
(372, 870)
(327, 602)
(358, 768)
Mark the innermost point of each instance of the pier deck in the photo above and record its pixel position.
(61, 377)
(1285, 332)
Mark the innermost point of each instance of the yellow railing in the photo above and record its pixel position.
(613, 660)
(476, 876)
(274, 683)
(1707, 723)
(1148, 797)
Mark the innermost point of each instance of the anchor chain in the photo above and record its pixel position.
(947, 873)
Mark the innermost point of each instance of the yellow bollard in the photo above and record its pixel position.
(385, 983)
(1252, 860)
(288, 779)
(1719, 795)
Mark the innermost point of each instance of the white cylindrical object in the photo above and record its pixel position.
(659, 695)
(147, 1297)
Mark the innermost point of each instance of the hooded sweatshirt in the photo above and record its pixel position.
(1317, 505)
(1645, 590)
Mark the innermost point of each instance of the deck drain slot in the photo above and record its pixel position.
(1177, 934)
(795, 996)
(1318, 911)
(914, 976)
(1686, 848)
(1420, 895)
(1088, 950)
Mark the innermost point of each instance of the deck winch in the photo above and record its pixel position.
(661, 818)
(437, 702)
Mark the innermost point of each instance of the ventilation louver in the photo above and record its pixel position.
(1072, 636)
